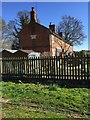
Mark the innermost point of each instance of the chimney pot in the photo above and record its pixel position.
(32, 8)
(60, 34)
(50, 23)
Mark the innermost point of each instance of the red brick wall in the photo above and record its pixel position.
(40, 44)
(43, 40)
(58, 43)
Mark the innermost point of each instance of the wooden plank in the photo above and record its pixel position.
(70, 67)
(81, 67)
(76, 67)
(68, 70)
(84, 68)
(51, 68)
(62, 68)
(64, 72)
(59, 67)
(88, 67)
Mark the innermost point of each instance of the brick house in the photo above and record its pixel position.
(39, 38)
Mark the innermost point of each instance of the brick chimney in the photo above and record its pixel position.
(52, 27)
(33, 15)
(61, 34)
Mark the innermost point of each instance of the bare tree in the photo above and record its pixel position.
(72, 30)
(4, 41)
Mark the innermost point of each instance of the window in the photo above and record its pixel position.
(52, 39)
(33, 37)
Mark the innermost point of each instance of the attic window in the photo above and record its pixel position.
(33, 37)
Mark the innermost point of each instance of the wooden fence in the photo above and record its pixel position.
(60, 68)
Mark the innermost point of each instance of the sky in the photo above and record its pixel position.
(45, 0)
(50, 12)
(89, 26)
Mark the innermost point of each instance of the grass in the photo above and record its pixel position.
(44, 101)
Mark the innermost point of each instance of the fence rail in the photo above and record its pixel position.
(60, 68)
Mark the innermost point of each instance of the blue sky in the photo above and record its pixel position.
(89, 26)
(50, 12)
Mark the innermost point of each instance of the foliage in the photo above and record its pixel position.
(10, 31)
(22, 19)
(43, 101)
(17, 25)
(5, 40)
(72, 30)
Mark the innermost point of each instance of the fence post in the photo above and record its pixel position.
(1, 66)
(88, 67)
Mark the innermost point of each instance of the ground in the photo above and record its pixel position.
(43, 101)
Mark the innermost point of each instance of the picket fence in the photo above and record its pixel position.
(61, 68)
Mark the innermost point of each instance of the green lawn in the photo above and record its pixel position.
(43, 101)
